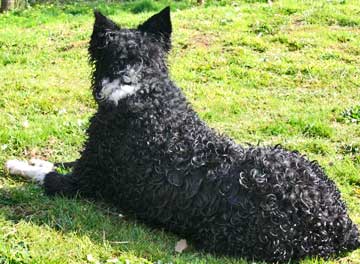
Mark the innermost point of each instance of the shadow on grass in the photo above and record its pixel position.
(97, 221)
(100, 223)
(76, 8)
(110, 7)
(69, 11)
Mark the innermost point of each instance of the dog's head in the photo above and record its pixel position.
(123, 57)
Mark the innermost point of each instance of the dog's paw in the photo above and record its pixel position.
(41, 163)
(16, 167)
(22, 168)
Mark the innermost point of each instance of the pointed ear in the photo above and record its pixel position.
(102, 23)
(99, 37)
(159, 25)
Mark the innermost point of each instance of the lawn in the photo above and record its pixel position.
(283, 73)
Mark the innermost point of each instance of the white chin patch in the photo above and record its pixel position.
(35, 172)
(113, 91)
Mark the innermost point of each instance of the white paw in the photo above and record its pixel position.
(16, 167)
(22, 168)
(41, 163)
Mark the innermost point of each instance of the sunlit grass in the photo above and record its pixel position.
(286, 73)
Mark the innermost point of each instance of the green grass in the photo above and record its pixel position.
(282, 74)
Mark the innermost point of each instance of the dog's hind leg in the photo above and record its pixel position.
(43, 173)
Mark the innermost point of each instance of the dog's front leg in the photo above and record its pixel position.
(43, 173)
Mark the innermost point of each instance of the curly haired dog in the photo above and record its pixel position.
(150, 154)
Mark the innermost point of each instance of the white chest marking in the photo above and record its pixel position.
(113, 91)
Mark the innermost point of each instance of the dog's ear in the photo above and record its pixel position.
(103, 24)
(100, 35)
(159, 25)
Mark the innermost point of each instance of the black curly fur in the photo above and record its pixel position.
(151, 155)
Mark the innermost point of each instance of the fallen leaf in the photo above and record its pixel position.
(112, 260)
(62, 111)
(25, 124)
(91, 259)
(181, 245)
(357, 191)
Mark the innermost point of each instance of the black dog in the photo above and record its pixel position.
(149, 154)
